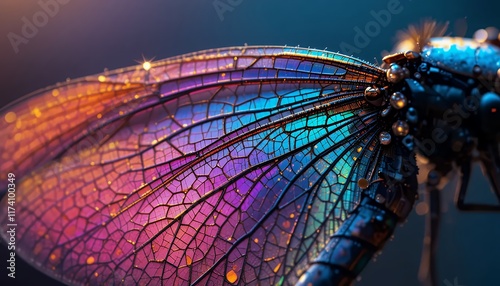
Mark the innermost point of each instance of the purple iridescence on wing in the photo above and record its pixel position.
(231, 166)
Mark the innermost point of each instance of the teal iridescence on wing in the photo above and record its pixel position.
(233, 165)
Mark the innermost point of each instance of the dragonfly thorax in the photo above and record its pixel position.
(449, 110)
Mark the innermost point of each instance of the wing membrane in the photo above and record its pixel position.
(230, 166)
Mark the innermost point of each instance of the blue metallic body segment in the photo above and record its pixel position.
(465, 57)
(353, 245)
(386, 201)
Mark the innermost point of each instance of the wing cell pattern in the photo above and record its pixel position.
(228, 166)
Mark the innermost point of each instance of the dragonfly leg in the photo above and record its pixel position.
(491, 167)
(428, 268)
(464, 182)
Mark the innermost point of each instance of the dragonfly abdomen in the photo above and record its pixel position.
(352, 246)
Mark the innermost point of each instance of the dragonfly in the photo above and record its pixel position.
(252, 165)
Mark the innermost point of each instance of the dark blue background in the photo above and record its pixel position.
(85, 37)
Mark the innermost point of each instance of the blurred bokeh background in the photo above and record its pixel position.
(84, 37)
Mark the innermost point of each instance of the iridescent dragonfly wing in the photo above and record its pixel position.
(225, 166)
